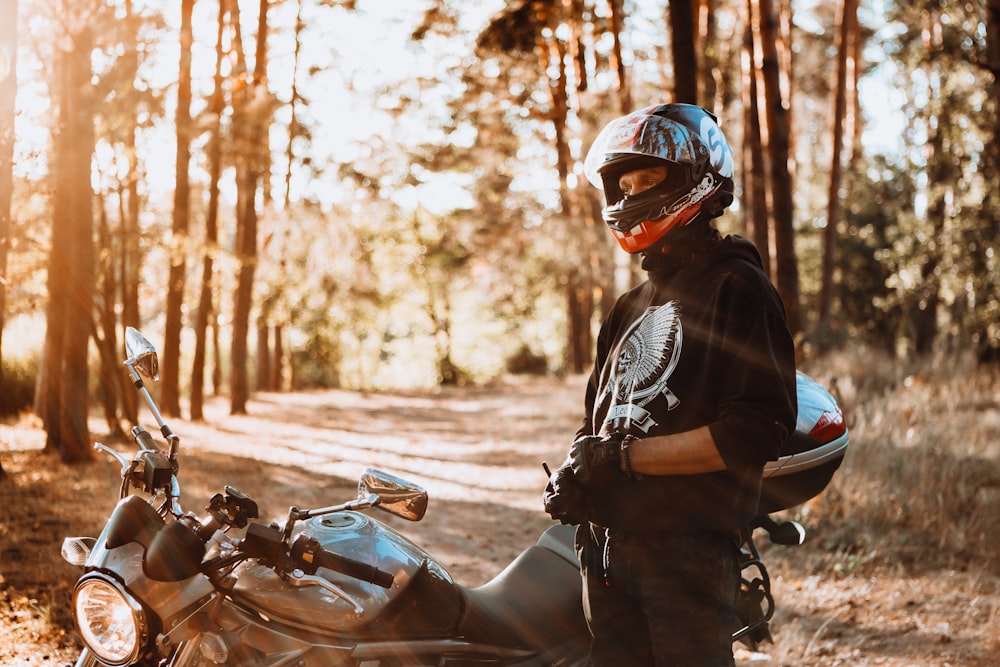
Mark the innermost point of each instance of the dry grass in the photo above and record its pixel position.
(923, 472)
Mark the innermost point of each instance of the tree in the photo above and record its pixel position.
(683, 33)
(121, 100)
(778, 137)
(754, 165)
(251, 115)
(206, 308)
(61, 398)
(847, 35)
(129, 206)
(170, 366)
(8, 93)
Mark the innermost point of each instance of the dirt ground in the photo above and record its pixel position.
(478, 452)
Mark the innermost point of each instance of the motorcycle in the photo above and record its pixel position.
(335, 586)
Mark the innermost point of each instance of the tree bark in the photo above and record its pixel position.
(128, 202)
(8, 94)
(622, 85)
(778, 134)
(249, 169)
(170, 359)
(682, 45)
(755, 172)
(205, 301)
(849, 11)
(63, 387)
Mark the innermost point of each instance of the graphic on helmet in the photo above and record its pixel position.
(685, 139)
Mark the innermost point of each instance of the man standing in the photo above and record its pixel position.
(693, 389)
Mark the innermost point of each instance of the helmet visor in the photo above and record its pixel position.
(641, 135)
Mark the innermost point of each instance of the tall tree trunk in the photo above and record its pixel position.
(105, 325)
(278, 365)
(170, 360)
(778, 135)
(682, 44)
(849, 10)
(987, 336)
(263, 379)
(755, 171)
(128, 202)
(205, 301)
(709, 52)
(294, 131)
(63, 387)
(924, 315)
(579, 279)
(250, 168)
(621, 83)
(8, 94)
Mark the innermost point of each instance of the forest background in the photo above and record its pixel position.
(378, 195)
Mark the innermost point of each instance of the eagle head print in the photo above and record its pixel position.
(643, 362)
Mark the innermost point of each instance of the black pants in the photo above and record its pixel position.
(659, 599)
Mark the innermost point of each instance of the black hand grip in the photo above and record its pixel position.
(309, 552)
(144, 439)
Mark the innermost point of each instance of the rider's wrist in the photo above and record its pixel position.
(625, 456)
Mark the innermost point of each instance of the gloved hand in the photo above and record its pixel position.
(564, 499)
(596, 459)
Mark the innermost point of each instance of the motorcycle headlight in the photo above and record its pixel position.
(111, 621)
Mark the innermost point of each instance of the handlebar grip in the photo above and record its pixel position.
(143, 438)
(313, 555)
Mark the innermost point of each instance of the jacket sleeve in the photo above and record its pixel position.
(757, 404)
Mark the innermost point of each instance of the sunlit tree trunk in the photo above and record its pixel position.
(278, 366)
(8, 93)
(206, 308)
(170, 359)
(755, 171)
(778, 137)
(253, 119)
(128, 201)
(63, 387)
(710, 78)
(579, 280)
(844, 40)
(621, 82)
(263, 379)
(105, 329)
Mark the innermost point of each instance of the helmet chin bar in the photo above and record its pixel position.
(639, 222)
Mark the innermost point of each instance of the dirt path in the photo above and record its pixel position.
(478, 452)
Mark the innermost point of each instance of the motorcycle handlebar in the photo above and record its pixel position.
(143, 439)
(309, 552)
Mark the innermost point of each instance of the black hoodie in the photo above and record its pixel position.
(703, 341)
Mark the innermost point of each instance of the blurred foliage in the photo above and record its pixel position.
(19, 377)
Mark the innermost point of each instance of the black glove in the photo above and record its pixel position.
(596, 459)
(564, 498)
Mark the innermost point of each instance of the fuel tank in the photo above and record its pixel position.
(423, 598)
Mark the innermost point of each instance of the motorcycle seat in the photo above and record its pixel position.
(535, 603)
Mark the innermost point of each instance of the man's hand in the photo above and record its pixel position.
(596, 459)
(564, 498)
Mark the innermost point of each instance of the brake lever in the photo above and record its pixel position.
(298, 578)
(125, 463)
